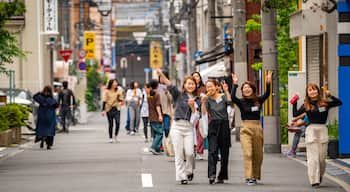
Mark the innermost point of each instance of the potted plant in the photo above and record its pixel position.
(5, 132)
(333, 144)
(16, 115)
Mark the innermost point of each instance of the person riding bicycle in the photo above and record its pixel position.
(66, 101)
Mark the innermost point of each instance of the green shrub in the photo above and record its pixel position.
(13, 115)
(333, 128)
(4, 123)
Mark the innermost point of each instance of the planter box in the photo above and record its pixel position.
(6, 138)
(333, 148)
(16, 135)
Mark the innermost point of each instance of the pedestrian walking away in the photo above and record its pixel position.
(199, 143)
(66, 101)
(112, 97)
(219, 134)
(186, 103)
(46, 123)
(155, 117)
(251, 133)
(133, 99)
(316, 135)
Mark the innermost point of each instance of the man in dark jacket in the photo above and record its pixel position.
(66, 101)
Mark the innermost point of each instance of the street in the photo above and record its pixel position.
(84, 161)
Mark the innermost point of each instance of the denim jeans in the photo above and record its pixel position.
(158, 135)
(296, 138)
(166, 124)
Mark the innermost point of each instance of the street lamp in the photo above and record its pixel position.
(104, 7)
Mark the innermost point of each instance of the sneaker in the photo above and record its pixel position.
(219, 181)
(190, 177)
(250, 182)
(154, 151)
(291, 153)
(132, 133)
(110, 140)
(184, 182)
(211, 181)
(315, 185)
(199, 157)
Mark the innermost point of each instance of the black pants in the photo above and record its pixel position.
(113, 115)
(47, 139)
(219, 138)
(145, 126)
(65, 114)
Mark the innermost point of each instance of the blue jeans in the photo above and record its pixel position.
(296, 138)
(166, 124)
(158, 135)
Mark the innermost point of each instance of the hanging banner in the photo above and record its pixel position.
(50, 17)
(156, 55)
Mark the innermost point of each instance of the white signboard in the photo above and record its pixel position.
(50, 16)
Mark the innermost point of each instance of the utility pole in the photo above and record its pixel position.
(272, 135)
(240, 50)
(211, 26)
(192, 31)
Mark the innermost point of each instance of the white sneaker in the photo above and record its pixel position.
(199, 157)
(132, 133)
(110, 140)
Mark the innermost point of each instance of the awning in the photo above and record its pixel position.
(214, 71)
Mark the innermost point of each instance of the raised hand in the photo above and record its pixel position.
(224, 86)
(234, 78)
(269, 77)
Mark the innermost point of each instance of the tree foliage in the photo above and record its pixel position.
(92, 93)
(9, 48)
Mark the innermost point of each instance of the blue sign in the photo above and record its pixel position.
(82, 65)
(197, 54)
(147, 70)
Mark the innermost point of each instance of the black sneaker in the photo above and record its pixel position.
(211, 181)
(315, 185)
(250, 182)
(184, 182)
(190, 177)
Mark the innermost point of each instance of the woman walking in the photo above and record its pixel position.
(316, 134)
(181, 132)
(251, 133)
(111, 107)
(199, 144)
(219, 135)
(133, 99)
(46, 123)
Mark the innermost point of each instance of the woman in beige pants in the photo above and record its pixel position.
(251, 133)
(316, 134)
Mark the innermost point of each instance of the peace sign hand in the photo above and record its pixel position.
(234, 79)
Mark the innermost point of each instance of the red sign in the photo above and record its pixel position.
(183, 48)
(66, 54)
(82, 53)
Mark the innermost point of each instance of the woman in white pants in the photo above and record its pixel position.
(316, 134)
(181, 132)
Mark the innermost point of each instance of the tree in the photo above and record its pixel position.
(9, 48)
(92, 93)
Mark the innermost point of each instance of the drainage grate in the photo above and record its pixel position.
(339, 173)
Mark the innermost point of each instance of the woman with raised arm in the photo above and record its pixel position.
(186, 103)
(219, 134)
(251, 133)
(316, 134)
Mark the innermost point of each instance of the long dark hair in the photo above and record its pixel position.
(254, 97)
(308, 101)
(110, 84)
(154, 85)
(200, 77)
(47, 91)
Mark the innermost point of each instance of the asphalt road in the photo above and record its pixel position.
(84, 161)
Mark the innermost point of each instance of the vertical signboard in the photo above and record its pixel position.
(89, 44)
(156, 55)
(50, 16)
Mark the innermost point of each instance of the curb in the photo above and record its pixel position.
(344, 185)
(9, 152)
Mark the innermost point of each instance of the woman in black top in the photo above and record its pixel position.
(316, 134)
(251, 133)
(219, 135)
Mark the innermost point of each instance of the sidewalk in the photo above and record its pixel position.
(84, 161)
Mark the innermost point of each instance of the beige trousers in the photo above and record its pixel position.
(181, 134)
(252, 141)
(316, 139)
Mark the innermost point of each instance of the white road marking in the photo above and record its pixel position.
(146, 180)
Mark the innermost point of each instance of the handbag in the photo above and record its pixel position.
(203, 125)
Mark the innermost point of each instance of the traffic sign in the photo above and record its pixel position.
(82, 53)
(156, 55)
(147, 70)
(66, 54)
(89, 44)
(82, 65)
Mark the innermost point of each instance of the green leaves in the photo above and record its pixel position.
(9, 48)
(92, 93)
(13, 115)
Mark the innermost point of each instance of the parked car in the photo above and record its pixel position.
(24, 97)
